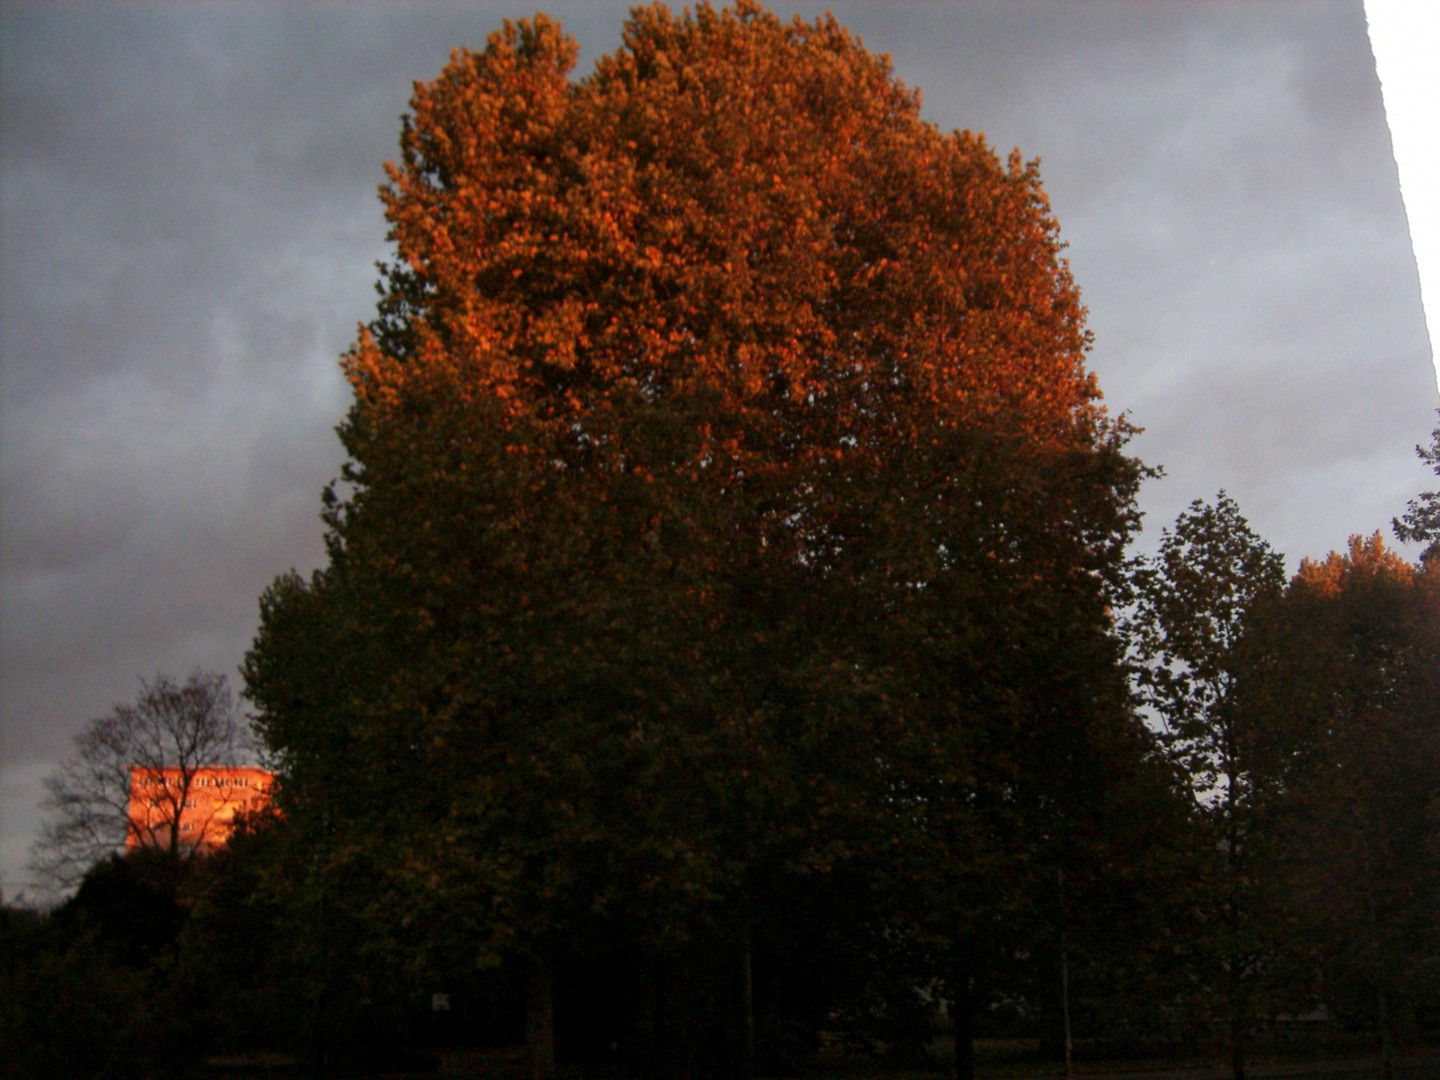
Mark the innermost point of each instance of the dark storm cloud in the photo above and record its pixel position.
(1223, 173)
(189, 228)
(189, 233)
(184, 258)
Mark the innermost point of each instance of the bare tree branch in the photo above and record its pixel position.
(165, 737)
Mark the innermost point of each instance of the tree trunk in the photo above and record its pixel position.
(1065, 979)
(747, 1004)
(540, 1023)
(1387, 1041)
(1382, 1002)
(1238, 1020)
(962, 1017)
(1238, 1004)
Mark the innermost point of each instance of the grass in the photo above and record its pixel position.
(1317, 1058)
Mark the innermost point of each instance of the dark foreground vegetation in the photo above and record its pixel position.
(1288, 915)
(730, 652)
(145, 975)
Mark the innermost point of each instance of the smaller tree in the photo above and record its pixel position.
(1194, 603)
(1421, 520)
(1357, 700)
(1197, 603)
(172, 729)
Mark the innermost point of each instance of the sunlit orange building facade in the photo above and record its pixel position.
(197, 805)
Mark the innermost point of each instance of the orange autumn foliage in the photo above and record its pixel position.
(1366, 559)
(729, 210)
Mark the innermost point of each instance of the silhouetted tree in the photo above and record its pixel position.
(1421, 520)
(170, 725)
(1197, 603)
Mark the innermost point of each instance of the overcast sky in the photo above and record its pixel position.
(188, 227)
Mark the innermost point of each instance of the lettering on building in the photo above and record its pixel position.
(198, 807)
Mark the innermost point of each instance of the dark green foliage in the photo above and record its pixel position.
(1351, 690)
(90, 987)
(1421, 520)
(1198, 602)
(131, 905)
(1195, 599)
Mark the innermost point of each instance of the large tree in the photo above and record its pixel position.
(727, 498)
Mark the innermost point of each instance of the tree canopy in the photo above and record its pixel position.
(1421, 520)
(1194, 628)
(1351, 696)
